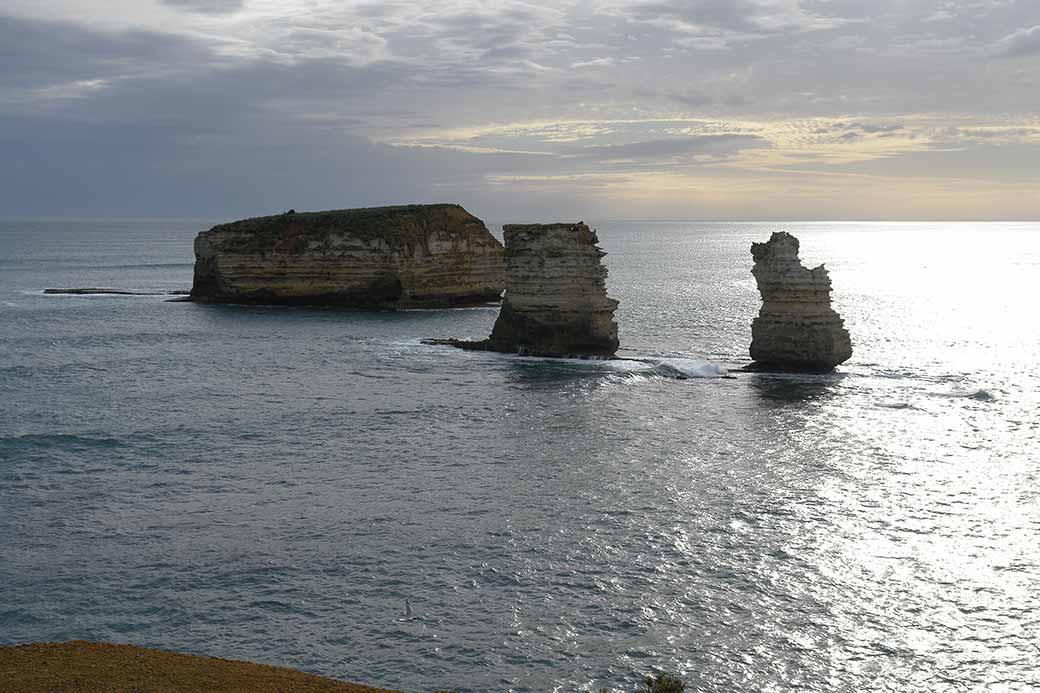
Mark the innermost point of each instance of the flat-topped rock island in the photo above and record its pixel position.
(412, 256)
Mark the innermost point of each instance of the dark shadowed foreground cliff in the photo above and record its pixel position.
(382, 257)
(85, 667)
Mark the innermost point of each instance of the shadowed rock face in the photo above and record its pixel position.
(796, 329)
(383, 257)
(556, 300)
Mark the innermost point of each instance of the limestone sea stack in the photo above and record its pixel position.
(796, 329)
(556, 300)
(421, 256)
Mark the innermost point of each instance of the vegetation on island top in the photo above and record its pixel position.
(400, 225)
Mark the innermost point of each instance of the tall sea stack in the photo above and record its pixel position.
(556, 300)
(796, 329)
(423, 256)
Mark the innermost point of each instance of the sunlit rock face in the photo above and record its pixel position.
(556, 300)
(409, 256)
(796, 329)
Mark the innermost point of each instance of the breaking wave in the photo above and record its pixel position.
(690, 368)
(677, 368)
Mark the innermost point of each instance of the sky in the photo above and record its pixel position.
(522, 110)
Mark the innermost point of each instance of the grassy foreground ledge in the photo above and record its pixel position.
(84, 667)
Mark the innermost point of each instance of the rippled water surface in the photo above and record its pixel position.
(273, 484)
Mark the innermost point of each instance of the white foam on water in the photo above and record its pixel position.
(694, 368)
(977, 394)
(627, 366)
(665, 367)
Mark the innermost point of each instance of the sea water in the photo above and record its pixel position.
(274, 484)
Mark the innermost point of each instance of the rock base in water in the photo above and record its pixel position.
(556, 300)
(796, 329)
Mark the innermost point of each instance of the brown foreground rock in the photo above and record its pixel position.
(414, 256)
(796, 328)
(556, 300)
(84, 667)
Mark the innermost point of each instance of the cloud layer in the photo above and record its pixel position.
(598, 107)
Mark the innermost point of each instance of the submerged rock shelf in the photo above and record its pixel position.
(91, 291)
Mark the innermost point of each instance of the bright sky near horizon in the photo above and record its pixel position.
(527, 110)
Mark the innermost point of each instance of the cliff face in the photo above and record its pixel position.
(796, 329)
(409, 256)
(556, 298)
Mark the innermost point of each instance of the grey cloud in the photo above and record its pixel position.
(192, 140)
(986, 161)
(673, 147)
(206, 6)
(40, 54)
(736, 15)
(287, 109)
(739, 16)
(960, 135)
(692, 98)
(594, 62)
(701, 99)
(487, 31)
(850, 9)
(866, 128)
(118, 170)
(508, 52)
(247, 137)
(875, 128)
(1022, 42)
(122, 169)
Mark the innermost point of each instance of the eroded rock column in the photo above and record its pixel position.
(796, 328)
(556, 300)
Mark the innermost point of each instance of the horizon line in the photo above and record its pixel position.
(630, 220)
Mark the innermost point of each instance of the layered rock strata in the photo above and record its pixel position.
(423, 256)
(796, 328)
(556, 300)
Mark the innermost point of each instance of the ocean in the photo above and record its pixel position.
(315, 488)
